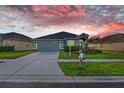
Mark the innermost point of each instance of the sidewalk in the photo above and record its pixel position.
(91, 60)
(6, 60)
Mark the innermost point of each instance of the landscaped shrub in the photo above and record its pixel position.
(73, 48)
(7, 48)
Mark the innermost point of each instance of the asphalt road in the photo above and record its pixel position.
(61, 85)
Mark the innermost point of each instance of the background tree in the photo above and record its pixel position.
(94, 38)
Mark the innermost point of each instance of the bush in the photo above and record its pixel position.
(7, 48)
(73, 48)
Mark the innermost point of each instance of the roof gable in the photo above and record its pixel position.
(59, 35)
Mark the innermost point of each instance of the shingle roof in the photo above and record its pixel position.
(112, 38)
(13, 35)
(59, 35)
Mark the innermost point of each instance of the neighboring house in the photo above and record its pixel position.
(57, 41)
(112, 42)
(21, 42)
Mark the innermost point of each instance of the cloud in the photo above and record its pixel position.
(76, 18)
(114, 26)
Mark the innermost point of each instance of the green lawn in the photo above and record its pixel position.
(93, 69)
(103, 55)
(15, 54)
(107, 55)
(65, 55)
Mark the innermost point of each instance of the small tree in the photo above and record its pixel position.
(84, 44)
(84, 47)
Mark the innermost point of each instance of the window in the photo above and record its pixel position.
(27, 45)
(6, 42)
(101, 45)
(35, 45)
(61, 45)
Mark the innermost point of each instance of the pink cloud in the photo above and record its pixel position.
(114, 26)
(97, 18)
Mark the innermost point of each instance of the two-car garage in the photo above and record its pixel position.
(54, 42)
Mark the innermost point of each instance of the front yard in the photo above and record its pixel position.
(65, 55)
(103, 55)
(93, 69)
(15, 54)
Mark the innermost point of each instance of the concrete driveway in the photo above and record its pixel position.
(36, 64)
(45, 64)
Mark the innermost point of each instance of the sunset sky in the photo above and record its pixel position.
(40, 20)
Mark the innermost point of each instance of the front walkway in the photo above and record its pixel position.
(92, 60)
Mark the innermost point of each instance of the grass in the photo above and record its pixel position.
(15, 54)
(65, 55)
(107, 55)
(103, 55)
(93, 69)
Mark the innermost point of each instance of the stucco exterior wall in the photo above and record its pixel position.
(108, 46)
(22, 45)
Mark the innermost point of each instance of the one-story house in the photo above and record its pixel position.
(56, 41)
(21, 42)
(112, 42)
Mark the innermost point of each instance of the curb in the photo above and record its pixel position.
(64, 79)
